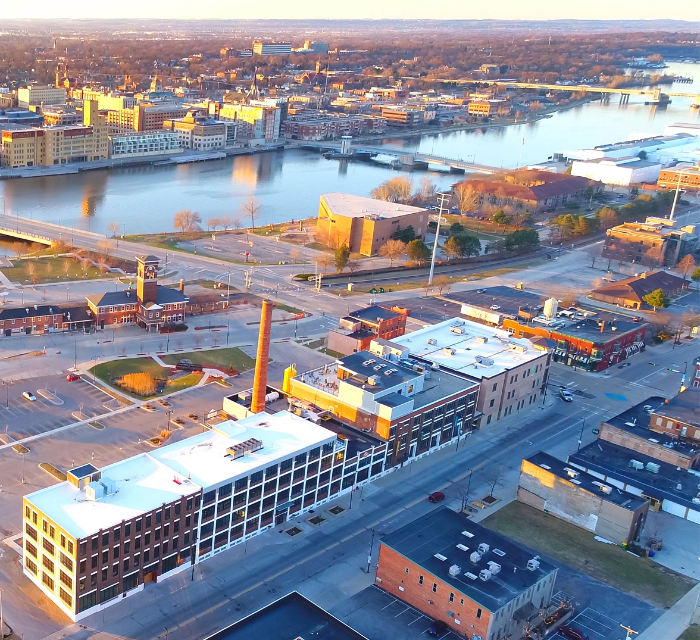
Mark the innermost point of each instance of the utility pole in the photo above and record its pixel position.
(629, 631)
(441, 200)
(580, 438)
(675, 197)
(369, 557)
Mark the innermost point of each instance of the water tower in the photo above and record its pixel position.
(550, 308)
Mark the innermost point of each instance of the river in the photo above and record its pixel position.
(288, 183)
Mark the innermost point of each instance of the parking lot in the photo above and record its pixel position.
(23, 418)
(595, 625)
(376, 614)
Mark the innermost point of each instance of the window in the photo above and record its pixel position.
(105, 538)
(47, 580)
(189, 504)
(406, 569)
(31, 565)
(108, 593)
(117, 535)
(225, 490)
(30, 548)
(167, 513)
(66, 562)
(115, 553)
(452, 597)
(147, 538)
(47, 546)
(157, 536)
(126, 564)
(478, 613)
(434, 587)
(48, 563)
(93, 564)
(31, 532)
(137, 543)
(138, 525)
(94, 543)
(127, 529)
(158, 517)
(420, 579)
(105, 556)
(26, 512)
(63, 541)
(461, 601)
(491, 403)
(115, 569)
(87, 601)
(494, 387)
(104, 574)
(66, 579)
(177, 509)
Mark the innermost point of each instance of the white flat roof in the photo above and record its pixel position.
(204, 457)
(500, 347)
(146, 481)
(142, 484)
(344, 204)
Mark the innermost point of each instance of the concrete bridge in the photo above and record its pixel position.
(24, 235)
(404, 159)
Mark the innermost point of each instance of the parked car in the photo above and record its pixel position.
(495, 307)
(28, 395)
(565, 395)
(72, 377)
(573, 633)
(437, 628)
(438, 496)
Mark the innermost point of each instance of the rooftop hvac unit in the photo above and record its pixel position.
(482, 339)
(494, 567)
(550, 308)
(483, 548)
(455, 570)
(248, 446)
(469, 575)
(533, 564)
(461, 547)
(485, 575)
(679, 487)
(440, 557)
(498, 552)
(432, 341)
(606, 489)
(518, 348)
(435, 366)
(636, 464)
(457, 330)
(373, 380)
(448, 351)
(572, 473)
(475, 557)
(487, 362)
(696, 500)
(109, 485)
(94, 491)
(653, 467)
(471, 535)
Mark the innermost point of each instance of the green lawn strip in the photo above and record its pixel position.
(53, 471)
(287, 308)
(176, 384)
(332, 354)
(50, 270)
(315, 344)
(577, 548)
(221, 358)
(691, 633)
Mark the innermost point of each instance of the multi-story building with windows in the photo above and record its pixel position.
(35, 95)
(271, 48)
(145, 116)
(202, 133)
(141, 145)
(256, 123)
(358, 329)
(511, 372)
(330, 127)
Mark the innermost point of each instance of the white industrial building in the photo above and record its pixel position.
(143, 145)
(622, 172)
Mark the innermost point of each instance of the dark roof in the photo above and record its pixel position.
(508, 299)
(289, 618)
(148, 258)
(613, 461)
(166, 295)
(393, 400)
(431, 310)
(539, 192)
(363, 363)
(685, 407)
(30, 311)
(636, 288)
(590, 329)
(83, 471)
(440, 531)
(373, 314)
(586, 481)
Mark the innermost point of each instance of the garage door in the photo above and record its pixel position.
(694, 516)
(673, 508)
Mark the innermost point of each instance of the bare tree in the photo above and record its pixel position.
(593, 254)
(213, 223)
(426, 287)
(216, 338)
(686, 265)
(225, 222)
(178, 343)
(18, 248)
(392, 249)
(67, 263)
(324, 261)
(197, 339)
(251, 208)
(294, 255)
(85, 266)
(596, 283)
(113, 228)
(655, 254)
(427, 189)
(31, 271)
(354, 265)
(442, 284)
(466, 197)
(104, 248)
(493, 477)
(187, 221)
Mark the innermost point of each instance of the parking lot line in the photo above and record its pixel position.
(593, 621)
(416, 620)
(404, 611)
(392, 602)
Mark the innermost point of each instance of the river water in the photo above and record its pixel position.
(288, 183)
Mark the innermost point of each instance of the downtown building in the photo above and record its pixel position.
(104, 534)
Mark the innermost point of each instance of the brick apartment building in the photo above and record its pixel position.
(151, 306)
(358, 329)
(43, 318)
(679, 417)
(331, 127)
(630, 292)
(480, 584)
(365, 224)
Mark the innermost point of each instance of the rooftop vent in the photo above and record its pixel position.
(485, 575)
(379, 367)
(483, 548)
(481, 339)
(636, 464)
(494, 567)
(440, 557)
(487, 362)
(242, 448)
(457, 330)
(533, 564)
(544, 466)
(432, 341)
(471, 576)
(475, 557)
(653, 467)
(448, 351)
(373, 380)
(455, 570)
(466, 533)
(461, 547)
(572, 473)
(499, 553)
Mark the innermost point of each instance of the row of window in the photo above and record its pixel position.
(451, 597)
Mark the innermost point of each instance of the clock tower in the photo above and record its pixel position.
(147, 278)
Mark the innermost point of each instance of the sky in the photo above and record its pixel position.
(370, 9)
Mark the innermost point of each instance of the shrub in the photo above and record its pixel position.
(142, 384)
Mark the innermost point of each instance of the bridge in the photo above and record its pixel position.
(655, 93)
(24, 235)
(403, 159)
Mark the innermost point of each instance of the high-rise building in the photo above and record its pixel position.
(35, 95)
(201, 132)
(255, 122)
(271, 48)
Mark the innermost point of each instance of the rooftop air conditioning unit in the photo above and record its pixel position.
(109, 485)
(696, 500)
(653, 467)
(485, 575)
(636, 464)
(483, 548)
(457, 330)
(94, 491)
(481, 339)
(455, 570)
(533, 564)
(606, 489)
(494, 567)
(448, 351)
(432, 341)
(475, 557)
(373, 380)
(571, 472)
(487, 362)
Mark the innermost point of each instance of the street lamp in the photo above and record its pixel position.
(441, 199)
(580, 438)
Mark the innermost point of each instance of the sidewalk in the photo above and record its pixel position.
(675, 621)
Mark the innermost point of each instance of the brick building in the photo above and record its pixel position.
(630, 292)
(365, 224)
(331, 127)
(43, 318)
(151, 306)
(679, 417)
(548, 484)
(358, 329)
(396, 399)
(481, 584)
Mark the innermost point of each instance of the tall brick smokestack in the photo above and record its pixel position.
(260, 384)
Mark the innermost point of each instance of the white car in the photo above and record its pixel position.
(28, 395)
(495, 307)
(565, 395)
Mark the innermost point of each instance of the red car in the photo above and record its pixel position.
(571, 632)
(436, 497)
(71, 377)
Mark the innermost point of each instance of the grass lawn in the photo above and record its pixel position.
(691, 633)
(222, 358)
(50, 270)
(639, 577)
(287, 308)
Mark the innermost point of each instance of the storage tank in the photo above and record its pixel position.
(550, 308)
(289, 373)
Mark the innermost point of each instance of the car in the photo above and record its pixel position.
(72, 377)
(28, 395)
(565, 395)
(571, 632)
(495, 307)
(635, 319)
(437, 496)
(481, 290)
(437, 628)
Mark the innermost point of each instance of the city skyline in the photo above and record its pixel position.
(363, 9)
